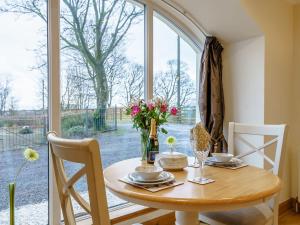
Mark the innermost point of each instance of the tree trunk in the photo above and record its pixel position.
(101, 91)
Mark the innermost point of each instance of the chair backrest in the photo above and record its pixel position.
(85, 152)
(236, 130)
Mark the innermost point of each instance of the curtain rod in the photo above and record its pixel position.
(186, 14)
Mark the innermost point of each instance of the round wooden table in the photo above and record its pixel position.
(232, 189)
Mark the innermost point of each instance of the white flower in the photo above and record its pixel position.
(31, 155)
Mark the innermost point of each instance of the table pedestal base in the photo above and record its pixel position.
(187, 218)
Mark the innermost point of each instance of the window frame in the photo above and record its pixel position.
(177, 20)
(53, 39)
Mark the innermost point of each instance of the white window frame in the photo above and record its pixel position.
(53, 99)
(148, 51)
(185, 27)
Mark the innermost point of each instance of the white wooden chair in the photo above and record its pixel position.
(85, 152)
(265, 213)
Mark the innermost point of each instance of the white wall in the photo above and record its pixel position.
(275, 18)
(243, 80)
(225, 19)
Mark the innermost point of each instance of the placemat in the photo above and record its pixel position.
(157, 188)
(227, 167)
(194, 165)
(194, 180)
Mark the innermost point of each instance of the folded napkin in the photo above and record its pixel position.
(152, 188)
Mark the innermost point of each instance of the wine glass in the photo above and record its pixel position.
(195, 164)
(201, 156)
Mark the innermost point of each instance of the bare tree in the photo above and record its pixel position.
(116, 70)
(12, 105)
(42, 91)
(165, 84)
(83, 96)
(133, 82)
(4, 94)
(77, 88)
(41, 66)
(91, 28)
(67, 94)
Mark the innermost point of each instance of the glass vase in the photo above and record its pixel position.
(12, 189)
(144, 141)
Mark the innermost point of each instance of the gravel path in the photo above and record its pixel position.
(32, 184)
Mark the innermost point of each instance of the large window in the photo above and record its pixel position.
(111, 53)
(97, 82)
(175, 80)
(102, 71)
(23, 111)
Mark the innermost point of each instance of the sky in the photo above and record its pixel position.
(20, 35)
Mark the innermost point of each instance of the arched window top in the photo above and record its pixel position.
(183, 24)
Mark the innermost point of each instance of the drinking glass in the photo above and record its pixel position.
(195, 164)
(201, 156)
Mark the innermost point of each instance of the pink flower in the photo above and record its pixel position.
(157, 102)
(135, 110)
(174, 111)
(163, 107)
(150, 106)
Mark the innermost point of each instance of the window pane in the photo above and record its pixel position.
(23, 111)
(102, 70)
(175, 82)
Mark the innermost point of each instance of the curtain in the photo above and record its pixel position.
(211, 96)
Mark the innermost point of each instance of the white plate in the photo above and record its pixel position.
(231, 162)
(135, 176)
(170, 179)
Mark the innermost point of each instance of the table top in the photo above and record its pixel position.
(232, 188)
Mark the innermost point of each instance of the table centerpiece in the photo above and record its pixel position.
(142, 112)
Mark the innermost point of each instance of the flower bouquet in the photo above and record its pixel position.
(142, 112)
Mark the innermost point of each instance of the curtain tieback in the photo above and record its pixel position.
(217, 141)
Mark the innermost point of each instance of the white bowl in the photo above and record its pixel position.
(171, 161)
(222, 157)
(148, 172)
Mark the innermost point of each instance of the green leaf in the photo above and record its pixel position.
(163, 130)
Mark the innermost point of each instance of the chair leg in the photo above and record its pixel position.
(275, 216)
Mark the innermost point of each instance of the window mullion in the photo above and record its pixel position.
(148, 51)
(54, 99)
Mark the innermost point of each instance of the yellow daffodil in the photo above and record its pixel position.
(31, 155)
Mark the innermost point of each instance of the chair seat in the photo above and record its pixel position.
(257, 215)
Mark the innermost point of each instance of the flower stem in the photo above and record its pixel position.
(12, 189)
(19, 171)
